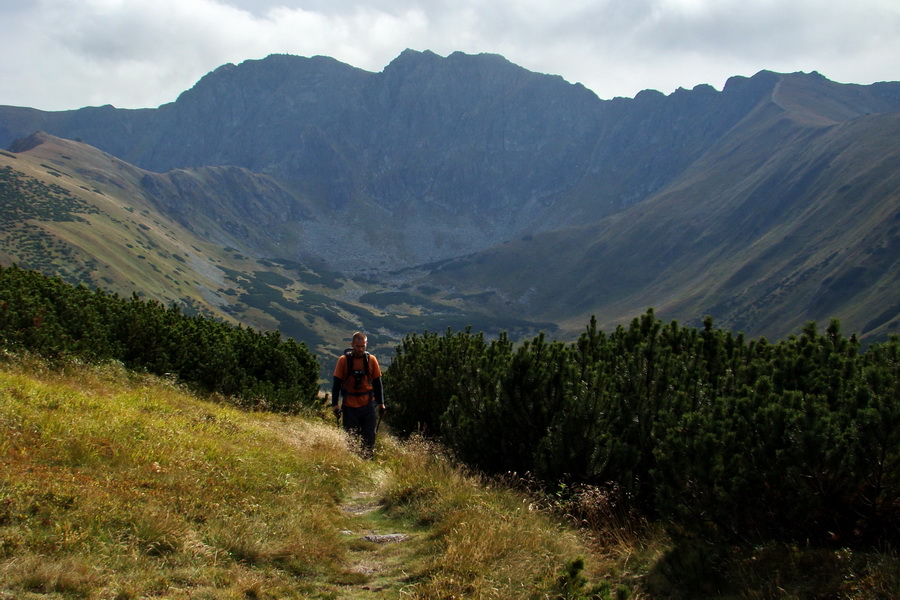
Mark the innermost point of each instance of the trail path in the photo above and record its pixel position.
(381, 548)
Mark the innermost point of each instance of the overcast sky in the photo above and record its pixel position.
(64, 54)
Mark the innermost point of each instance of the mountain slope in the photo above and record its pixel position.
(385, 154)
(192, 237)
(524, 197)
(790, 217)
(431, 158)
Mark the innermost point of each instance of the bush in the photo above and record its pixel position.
(51, 318)
(722, 437)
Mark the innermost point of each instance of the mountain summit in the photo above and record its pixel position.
(765, 204)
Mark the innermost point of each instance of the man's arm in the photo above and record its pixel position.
(378, 389)
(337, 383)
(336, 392)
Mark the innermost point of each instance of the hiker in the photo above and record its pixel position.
(357, 377)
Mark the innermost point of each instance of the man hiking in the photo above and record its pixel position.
(357, 377)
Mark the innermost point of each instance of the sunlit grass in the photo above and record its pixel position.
(131, 479)
(125, 486)
(121, 485)
(485, 541)
(129, 484)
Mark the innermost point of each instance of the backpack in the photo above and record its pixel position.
(348, 355)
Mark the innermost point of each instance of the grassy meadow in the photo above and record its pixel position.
(118, 485)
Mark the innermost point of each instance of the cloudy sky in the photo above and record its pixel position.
(63, 54)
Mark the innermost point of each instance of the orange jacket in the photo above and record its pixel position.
(354, 396)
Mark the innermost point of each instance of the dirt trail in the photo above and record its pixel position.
(381, 549)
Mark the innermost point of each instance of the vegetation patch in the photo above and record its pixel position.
(271, 278)
(46, 316)
(721, 439)
(386, 299)
(23, 197)
(303, 273)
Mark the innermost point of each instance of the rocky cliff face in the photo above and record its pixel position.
(792, 215)
(431, 158)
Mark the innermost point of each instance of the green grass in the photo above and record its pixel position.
(141, 488)
(116, 485)
(120, 485)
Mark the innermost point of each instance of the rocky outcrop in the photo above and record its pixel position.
(445, 155)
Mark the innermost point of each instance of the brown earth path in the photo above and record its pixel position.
(382, 550)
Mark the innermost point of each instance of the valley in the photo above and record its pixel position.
(311, 197)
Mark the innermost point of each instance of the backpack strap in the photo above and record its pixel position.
(348, 356)
(348, 359)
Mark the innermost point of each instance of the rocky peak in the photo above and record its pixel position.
(471, 149)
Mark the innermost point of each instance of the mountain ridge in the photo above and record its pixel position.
(513, 147)
(441, 166)
(763, 232)
(70, 210)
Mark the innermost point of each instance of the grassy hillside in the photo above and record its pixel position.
(782, 222)
(115, 485)
(120, 485)
(117, 239)
(67, 209)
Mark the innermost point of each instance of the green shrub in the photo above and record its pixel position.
(51, 318)
(723, 438)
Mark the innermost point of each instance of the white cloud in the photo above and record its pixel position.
(136, 53)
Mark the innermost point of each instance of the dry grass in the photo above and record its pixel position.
(485, 541)
(625, 544)
(114, 481)
(118, 485)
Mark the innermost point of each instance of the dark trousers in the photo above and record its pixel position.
(361, 422)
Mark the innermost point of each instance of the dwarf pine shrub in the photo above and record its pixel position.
(722, 437)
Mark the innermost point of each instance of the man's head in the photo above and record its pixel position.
(359, 343)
